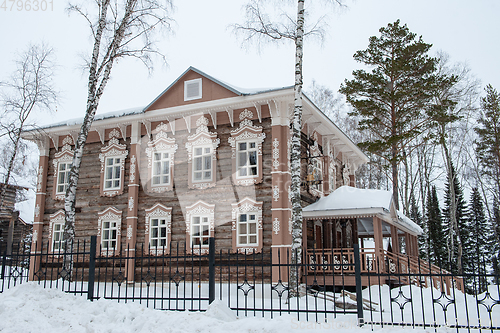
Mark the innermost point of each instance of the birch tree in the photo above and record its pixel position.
(28, 91)
(119, 29)
(259, 27)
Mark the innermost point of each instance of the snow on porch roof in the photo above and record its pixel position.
(364, 201)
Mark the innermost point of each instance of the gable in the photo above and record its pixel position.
(174, 95)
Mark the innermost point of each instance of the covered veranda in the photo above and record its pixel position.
(386, 237)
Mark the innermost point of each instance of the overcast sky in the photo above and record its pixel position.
(467, 30)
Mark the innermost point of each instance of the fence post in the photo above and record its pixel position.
(359, 295)
(4, 263)
(211, 270)
(90, 287)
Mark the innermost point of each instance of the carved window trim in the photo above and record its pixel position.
(202, 209)
(202, 138)
(64, 156)
(58, 218)
(332, 174)
(110, 214)
(246, 206)
(162, 144)
(113, 150)
(316, 163)
(160, 212)
(247, 132)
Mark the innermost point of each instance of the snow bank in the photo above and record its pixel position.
(31, 308)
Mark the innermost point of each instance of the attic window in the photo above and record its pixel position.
(192, 89)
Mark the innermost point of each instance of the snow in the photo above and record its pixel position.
(113, 114)
(348, 197)
(364, 200)
(26, 208)
(31, 308)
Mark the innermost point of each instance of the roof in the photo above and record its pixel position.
(234, 89)
(351, 201)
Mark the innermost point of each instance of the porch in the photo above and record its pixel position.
(387, 241)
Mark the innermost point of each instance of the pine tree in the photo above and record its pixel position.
(416, 217)
(461, 219)
(436, 243)
(480, 242)
(391, 98)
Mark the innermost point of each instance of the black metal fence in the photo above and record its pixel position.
(331, 286)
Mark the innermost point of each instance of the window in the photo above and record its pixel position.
(158, 236)
(158, 229)
(161, 169)
(192, 89)
(63, 177)
(247, 235)
(109, 235)
(202, 148)
(112, 159)
(62, 166)
(316, 173)
(247, 229)
(202, 164)
(246, 147)
(57, 237)
(161, 153)
(247, 159)
(113, 174)
(56, 231)
(200, 226)
(109, 226)
(200, 231)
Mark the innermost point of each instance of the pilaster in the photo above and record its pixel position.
(41, 193)
(133, 198)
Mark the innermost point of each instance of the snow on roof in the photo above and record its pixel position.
(26, 208)
(15, 179)
(347, 197)
(113, 114)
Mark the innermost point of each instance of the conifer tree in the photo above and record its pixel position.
(480, 242)
(417, 217)
(436, 243)
(391, 98)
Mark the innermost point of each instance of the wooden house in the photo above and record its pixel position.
(13, 229)
(202, 159)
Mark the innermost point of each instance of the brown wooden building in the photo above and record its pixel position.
(202, 159)
(13, 230)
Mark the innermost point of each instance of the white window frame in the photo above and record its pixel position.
(64, 172)
(247, 167)
(200, 86)
(204, 221)
(317, 170)
(117, 165)
(158, 238)
(247, 234)
(109, 239)
(161, 174)
(57, 237)
(204, 155)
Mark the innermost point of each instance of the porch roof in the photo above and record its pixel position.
(347, 201)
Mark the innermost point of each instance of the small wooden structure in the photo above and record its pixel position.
(387, 238)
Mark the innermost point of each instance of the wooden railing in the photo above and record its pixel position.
(406, 269)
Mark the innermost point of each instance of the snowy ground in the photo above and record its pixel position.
(31, 308)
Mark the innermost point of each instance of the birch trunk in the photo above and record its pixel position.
(98, 79)
(295, 156)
